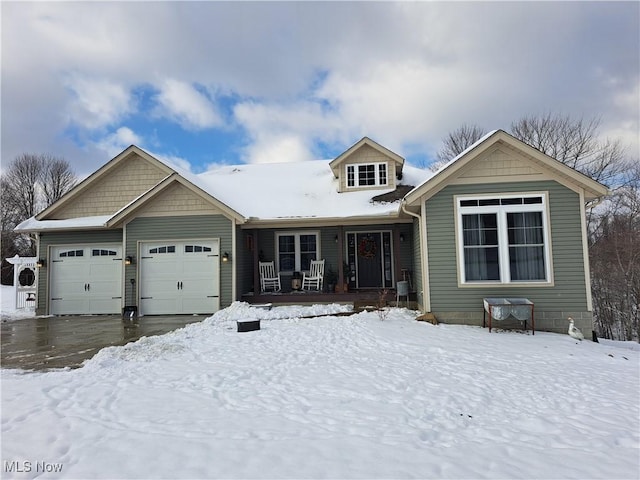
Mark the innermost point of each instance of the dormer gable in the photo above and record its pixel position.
(367, 165)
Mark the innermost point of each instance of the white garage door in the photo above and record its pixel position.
(179, 277)
(85, 279)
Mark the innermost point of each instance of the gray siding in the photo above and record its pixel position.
(77, 237)
(181, 228)
(569, 291)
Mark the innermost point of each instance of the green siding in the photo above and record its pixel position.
(569, 291)
(75, 237)
(417, 264)
(328, 249)
(181, 228)
(244, 262)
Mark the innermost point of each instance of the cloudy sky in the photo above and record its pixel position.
(206, 82)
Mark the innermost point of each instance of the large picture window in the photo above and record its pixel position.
(503, 239)
(367, 175)
(295, 250)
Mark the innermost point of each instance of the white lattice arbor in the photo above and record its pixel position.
(25, 281)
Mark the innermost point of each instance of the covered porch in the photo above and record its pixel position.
(360, 262)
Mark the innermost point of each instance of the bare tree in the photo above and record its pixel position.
(57, 179)
(575, 143)
(457, 142)
(615, 261)
(30, 183)
(22, 181)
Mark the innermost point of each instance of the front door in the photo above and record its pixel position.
(370, 254)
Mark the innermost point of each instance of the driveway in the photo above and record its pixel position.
(66, 341)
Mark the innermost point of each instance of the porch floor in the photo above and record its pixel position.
(311, 297)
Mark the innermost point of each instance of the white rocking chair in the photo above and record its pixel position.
(269, 279)
(315, 277)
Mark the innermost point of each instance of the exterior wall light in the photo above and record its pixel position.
(128, 260)
(402, 237)
(41, 263)
(225, 257)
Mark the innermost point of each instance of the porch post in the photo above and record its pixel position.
(341, 259)
(256, 267)
(396, 255)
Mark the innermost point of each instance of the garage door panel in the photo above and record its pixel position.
(158, 306)
(159, 287)
(183, 279)
(69, 306)
(86, 279)
(105, 305)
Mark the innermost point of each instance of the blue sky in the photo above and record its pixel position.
(202, 83)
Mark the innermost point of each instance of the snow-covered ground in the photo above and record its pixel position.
(330, 397)
(8, 304)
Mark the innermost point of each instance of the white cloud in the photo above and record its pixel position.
(298, 74)
(277, 148)
(183, 103)
(114, 143)
(97, 102)
(393, 103)
(173, 161)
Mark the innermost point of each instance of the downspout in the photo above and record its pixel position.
(38, 272)
(426, 295)
(234, 262)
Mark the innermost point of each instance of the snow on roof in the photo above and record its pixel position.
(33, 225)
(270, 191)
(305, 190)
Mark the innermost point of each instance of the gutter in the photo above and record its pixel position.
(426, 296)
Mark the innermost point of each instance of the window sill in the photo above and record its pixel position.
(506, 285)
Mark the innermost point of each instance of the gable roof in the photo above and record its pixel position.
(262, 193)
(41, 223)
(335, 164)
(562, 173)
(92, 179)
(153, 192)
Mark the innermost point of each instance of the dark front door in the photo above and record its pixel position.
(369, 259)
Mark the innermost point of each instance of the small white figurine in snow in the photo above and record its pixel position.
(575, 331)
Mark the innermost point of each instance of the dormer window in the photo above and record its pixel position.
(367, 175)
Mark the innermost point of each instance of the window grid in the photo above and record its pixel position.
(72, 253)
(163, 249)
(351, 176)
(296, 250)
(102, 253)
(503, 240)
(196, 249)
(367, 175)
(382, 174)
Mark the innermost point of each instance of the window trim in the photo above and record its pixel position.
(503, 240)
(356, 174)
(296, 234)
